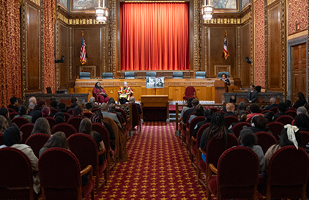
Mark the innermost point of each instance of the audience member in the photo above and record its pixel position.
(132, 100)
(3, 124)
(241, 107)
(185, 108)
(92, 101)
(77, 112)
(273, 104)
(74, 103)
(288, 104)
(248, 139)
(281, 110)
(301, 110)
(58, 139)
(13, 104)
(255, 110)
(36, 115)
(105, 113)
(40, 104)
(230, 108)
(59, 119)
(208, 115)
(88, 108)
(302, 122)
(32, 102)
(112, 109)
(242, 117)
(194, 103)
(301, 100)
(19, 102)
(61, 107)
(269, 116)
(252, 94)
(41, 126)
(11, 138)
(198, 111)
(258, 124)
(54, 104)
(46, 112)
(111, 101)
(5, 113)
(23, 112)
(233, 101)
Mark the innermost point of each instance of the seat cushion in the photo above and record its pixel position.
(202, 165)
(102, 167)
(86, 189)
(194, 150)
(213, 185)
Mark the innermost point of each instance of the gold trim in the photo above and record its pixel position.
(246, 17)
(37, 2)
(223, 21)
(154, 1)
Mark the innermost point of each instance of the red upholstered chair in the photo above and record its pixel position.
(274, 109)
(220, 111)
(75, 121)
(15, 172)
(292, 108)
(52, 122)
(13, 114)
(123, 114)
(230, 120)
(60, 176)
(70, 111)
(54, 111)
(19, 121)
(185, 131)
(292, 113)
(68, 129)
(195, 143)
(189, 93)
(118, 117)
(136, 118)
(190, 132)
(238, 127)
(67, 116)
(287, 174)
(213, 109)
(86, 150)
(233, 180)
(1, 138)
(265, 140)
(285, 119)
(265, 111)
(304, 139)
(11, 110)
(276, 128)
(87, 114)
(36, 142)
(94, 109)
(26, 129)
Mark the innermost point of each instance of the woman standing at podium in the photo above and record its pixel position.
(226, 81)
(100, 93)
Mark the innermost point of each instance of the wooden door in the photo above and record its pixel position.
(298, 58)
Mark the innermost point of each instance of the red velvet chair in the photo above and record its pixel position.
(292, 108)
(13, 114)
(220, 111)
(11, 110)
(67, 116)
(87, 114)
(214, 110)
(185, 131)
(265, 140)
(233, 180)
(230, 120)
(68, 129)
(70, 111)
(285, 119)
(86, 150)
(60, 176)
(238, 127)
(190, 132)
(123, 116)
(15, 172)
(26, 129)
(275, 128)
(19, 121)
(52, 122)
(1, 139)
(304, 139)
(274, 109)
(292, 113)
(265, 111)
(75, 121)
(287, 174)
(94, 109)
(54, 111)
(36, 142)
(189, 93)
(136, 118)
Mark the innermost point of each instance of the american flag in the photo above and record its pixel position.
(225, 51)
(82, 56)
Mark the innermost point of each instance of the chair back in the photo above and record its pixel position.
(1, 138)
(238, 127)
(220, 74)
(200, 74)
(87, 114)
(177, 74)
(199, 134)
(19, 121)
(230, 120)
(94, 109)
(285, 119)
(274, 109)
(194, 122)
(11, 110)
(36, 142)
(304, 139)
(190, 90)
(288, 171)
(67, 116)
(70, 112)
(265, 140)
(292, 113)
(135, 115)
(68, 129)
(107, 75)
(129, 75)
(84, 75)
(15, 172)
(265, 111)
(59, 172)
(215, 147)
(26, 129)
(13, 114)
(52, 122)
(118, 117)
(102, 130)
(75, 121)
(236, 183)
(213, 109)
(53, 111)
(123, 113)
(276, 128)
(84, 148)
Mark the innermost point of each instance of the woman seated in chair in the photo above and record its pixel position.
(124, 93)
(57, 140)
(100, 93)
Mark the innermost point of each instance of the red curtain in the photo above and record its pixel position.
(154, 36)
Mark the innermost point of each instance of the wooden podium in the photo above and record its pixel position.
(156, 101)
(220, 88)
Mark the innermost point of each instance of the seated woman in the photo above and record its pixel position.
(124, 93)
(3, 124)
(46, 112)
(302, 122)
(301, 100)
(77, 112)
(100, 93)
(41, 126)
(23, 112)
(255, 110)
(58, 139)
(198, 111)
(258, 124)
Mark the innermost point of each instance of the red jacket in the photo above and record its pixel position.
(97, 91)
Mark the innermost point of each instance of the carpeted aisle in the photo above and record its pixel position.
(159, 168)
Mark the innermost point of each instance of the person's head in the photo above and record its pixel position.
(217, 127)
(59, 114)
(132, 99)
(285, 140)
(189, 102)
(300, 95)
(97, 117)
(5, 113)
(41, 125)
(288, 103)
(61, 106)
(19, 102)
(282, 107)
(242, 106)
(58, 139)
(111, 100)
(269, 116)
(92, 100)
(40, 104)
(23, 110)
(13, 100)
(199, 110)
(272, 100)
(307, 106)
(230, 107)
(242, 116)
(301, 110)
(252, 87)
(104, 107)
(54, 104)
(12, 135)
(302, 120)
(3, 124)
(36, 115)
(97, 85)
(32, 100)
(247, 138)
(233, 99)
(195, 102)
(258, 121)
(112, 108)
(77, 111)
(223, 76)
(254, 108)
(59, 120)
(85, 126)
(125, 84)
(74, 100)
(208, 114)
(45, 111)
(88, 106)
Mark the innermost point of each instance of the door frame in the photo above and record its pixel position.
(293, 42)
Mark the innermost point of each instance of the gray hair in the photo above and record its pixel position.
(301, 110)
(272, 100)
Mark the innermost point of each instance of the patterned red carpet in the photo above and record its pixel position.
(159, 168)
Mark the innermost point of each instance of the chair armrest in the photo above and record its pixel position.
(202, 151)
(102, 151)
(213, 168)
(193, 139)
(86, 170)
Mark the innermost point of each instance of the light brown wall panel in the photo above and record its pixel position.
(64, 49)
(245, 52)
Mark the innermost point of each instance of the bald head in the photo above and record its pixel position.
(230, 107)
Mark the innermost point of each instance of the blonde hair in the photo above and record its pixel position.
(3, 124)
(41, 126)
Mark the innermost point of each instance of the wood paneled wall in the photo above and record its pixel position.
(245, 68)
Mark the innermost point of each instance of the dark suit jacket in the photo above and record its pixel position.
(253, 96)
